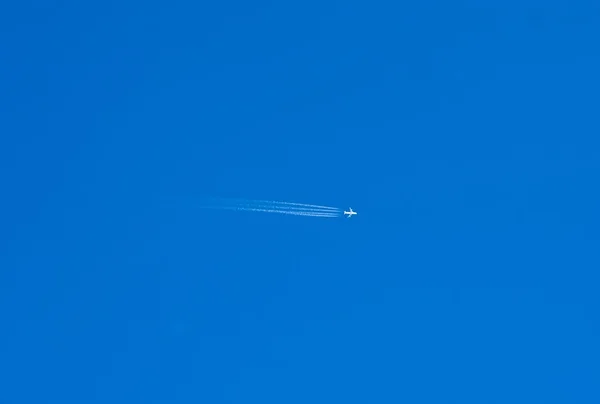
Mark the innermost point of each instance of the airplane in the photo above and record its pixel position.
(350, 213)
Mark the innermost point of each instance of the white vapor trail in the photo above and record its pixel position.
(286, 212)
(286, 208)
(304, 205)
(280, 204)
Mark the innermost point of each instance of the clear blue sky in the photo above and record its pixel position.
(465, 134)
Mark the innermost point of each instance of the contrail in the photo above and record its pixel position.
(281, 204)
(285, 208)
(286, 212)
(305, 205)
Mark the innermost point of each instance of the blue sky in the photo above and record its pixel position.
(464, 133)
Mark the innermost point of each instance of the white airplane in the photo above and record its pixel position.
(350, 213)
